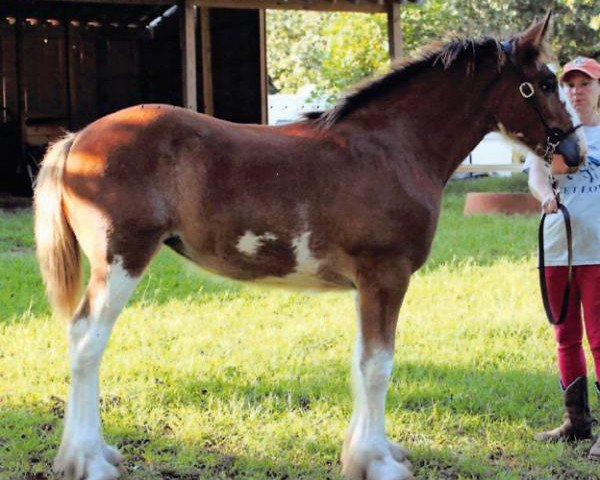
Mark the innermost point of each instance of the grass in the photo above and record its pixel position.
(208, 379)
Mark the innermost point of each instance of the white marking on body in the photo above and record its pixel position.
(83, 449)
(250, 243)
(305, 274)
(306, 264)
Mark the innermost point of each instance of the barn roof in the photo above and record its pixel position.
(139, 13)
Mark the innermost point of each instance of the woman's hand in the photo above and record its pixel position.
(539, 185)
(549, 204)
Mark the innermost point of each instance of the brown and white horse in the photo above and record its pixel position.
(348, 199)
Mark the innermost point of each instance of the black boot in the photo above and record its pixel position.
(577, 424)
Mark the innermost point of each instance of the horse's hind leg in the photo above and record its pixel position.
(367, 453)
(83, 453)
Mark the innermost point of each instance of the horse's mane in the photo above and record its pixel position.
(469, 51)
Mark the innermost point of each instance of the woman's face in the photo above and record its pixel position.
(583, 91)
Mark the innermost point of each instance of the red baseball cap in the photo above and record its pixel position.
(586, 65)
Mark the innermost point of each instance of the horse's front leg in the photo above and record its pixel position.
(83, 453)
(367, 453)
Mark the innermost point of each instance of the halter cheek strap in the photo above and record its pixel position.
(527, 91)
(526, 88)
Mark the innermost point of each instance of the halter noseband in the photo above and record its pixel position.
(555, 135)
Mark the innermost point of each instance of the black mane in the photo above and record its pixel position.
(468, 51)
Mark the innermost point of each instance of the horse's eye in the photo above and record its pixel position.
(548, 86)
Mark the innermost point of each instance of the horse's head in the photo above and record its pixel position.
(530, 109)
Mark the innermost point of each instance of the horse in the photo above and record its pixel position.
(346, 199)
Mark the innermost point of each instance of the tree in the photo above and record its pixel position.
(336, 50)
(295, 46)
(576, 22)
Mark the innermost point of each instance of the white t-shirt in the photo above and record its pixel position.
(580, 193)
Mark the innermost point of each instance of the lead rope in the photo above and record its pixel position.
(542, 266)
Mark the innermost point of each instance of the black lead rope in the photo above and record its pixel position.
(541, 266)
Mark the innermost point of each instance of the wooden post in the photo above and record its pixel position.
(264, 90)
(207, 79)
(67, 53)
(188, 53)
(394, 29)
(21, 107)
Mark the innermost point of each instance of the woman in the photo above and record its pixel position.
(580, 193)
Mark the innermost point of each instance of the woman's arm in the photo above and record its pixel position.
(540, 186)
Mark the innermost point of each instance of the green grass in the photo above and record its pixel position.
(208, 379)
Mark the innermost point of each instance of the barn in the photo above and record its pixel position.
(65, 63)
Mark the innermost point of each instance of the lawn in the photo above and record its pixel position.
(208, 379)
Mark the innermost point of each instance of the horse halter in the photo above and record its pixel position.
(555, 135)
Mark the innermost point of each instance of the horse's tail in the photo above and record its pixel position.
(57, 248)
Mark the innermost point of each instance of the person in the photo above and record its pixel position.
(580, 193)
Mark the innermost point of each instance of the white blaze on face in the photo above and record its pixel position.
(249, 243)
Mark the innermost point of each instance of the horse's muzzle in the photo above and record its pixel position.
(570, 151)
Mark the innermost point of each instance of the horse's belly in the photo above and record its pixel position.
(266, 259)
(303, 281)
(309, 276)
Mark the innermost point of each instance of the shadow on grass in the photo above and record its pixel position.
(507, 395)
(462, 403)
(30, 437)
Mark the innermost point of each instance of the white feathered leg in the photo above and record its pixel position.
(83, 453)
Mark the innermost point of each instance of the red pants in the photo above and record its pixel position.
(584, 298)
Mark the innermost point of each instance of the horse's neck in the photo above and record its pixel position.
(435, 127)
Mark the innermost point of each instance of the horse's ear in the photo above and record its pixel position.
(533, 42)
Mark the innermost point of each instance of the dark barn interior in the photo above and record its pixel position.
(64, 64)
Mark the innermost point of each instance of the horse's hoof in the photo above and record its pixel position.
(388, 469)
(112, 455)
(399, 453)
(359, 464)
(77, 464)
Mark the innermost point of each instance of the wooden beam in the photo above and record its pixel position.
(121, 2)
(188, 54)
(19, 80)
(394, 30)
(68, 68)
(207, 72)
(264, 89)
(364, 6)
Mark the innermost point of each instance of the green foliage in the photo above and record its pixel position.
(576, 22)
(357, 46)
(296, 47)
(334, 51)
